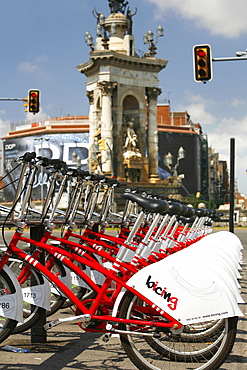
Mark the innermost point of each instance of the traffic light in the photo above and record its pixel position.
(25, 100)
(101, 143)
(202, 56)
(33, 101)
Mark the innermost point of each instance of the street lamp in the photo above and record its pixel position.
(89, 40)
(148, 38)
(168, 161)
(241, 53)
(42, 140)
(101, 30)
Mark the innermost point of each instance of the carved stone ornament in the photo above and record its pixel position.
(90, 96)
(118, 6)
(153, 93)
(107, 87)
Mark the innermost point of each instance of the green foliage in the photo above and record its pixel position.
(194, 201)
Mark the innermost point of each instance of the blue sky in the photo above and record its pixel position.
(42, 42)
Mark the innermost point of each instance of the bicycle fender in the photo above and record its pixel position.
(118, 301)
(66, 279)
(11, 305)
(97, 277)
(78, 281)
(38, 295)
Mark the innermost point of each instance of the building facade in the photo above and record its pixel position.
(182, 151)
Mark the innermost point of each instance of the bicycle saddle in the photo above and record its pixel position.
(151, 205)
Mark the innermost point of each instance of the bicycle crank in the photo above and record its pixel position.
(83, 319)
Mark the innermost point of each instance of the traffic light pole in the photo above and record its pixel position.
(228, 59)
(232, 154)
(232, 184)
(13, 99)
(201, 64)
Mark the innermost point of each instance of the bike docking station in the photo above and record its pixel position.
(165, 282)
(38, 332)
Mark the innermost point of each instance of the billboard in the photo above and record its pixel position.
(179, 154)
(71, 148)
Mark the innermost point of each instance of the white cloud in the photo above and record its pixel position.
(4, 127)
(41, 116)
(219, 17)
(238, 102)
(220, 135)
(42, 58)
(29, 67)
(198, 113)
(197, 109)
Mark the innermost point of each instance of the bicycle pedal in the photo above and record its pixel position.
(106, 337)
(51, 324)
(156, 335)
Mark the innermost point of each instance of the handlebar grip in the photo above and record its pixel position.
(82, 173)
(49, 161)
(111, 181)
(76, 172)
(27, 157)
(97, 177)
(55, 161)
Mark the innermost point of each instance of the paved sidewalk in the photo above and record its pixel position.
(68, 348)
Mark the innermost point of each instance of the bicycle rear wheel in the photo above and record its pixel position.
(6, 325)
(172, 351)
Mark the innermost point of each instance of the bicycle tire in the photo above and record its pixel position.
(31, 313)
(6, 325)
(145, 357)
(57, 299)
(78, 291)
(196, 345)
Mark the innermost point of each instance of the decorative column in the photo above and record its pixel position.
(107, 126)
(90, 95)
(152, 96)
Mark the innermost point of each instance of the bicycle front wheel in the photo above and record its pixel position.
(172, 351)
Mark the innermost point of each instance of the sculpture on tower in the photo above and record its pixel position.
(118, 6)
(130, 149)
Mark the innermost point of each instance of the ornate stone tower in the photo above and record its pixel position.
(122, 88)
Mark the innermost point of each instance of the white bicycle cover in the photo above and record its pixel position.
(38, 295)
(187, 288)
(11, 305)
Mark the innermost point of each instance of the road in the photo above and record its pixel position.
(69, 349)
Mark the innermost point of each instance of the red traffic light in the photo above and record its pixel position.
(202, 57)
(201, 53)
(33, 101)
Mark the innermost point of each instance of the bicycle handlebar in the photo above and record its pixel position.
(27, 157)
(49, 162)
